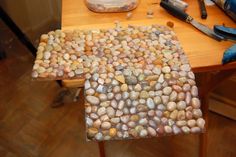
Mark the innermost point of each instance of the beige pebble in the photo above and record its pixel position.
(97, 123)
(194, 91)
(171, 106)
(157, 100)
(191, 123)
(66, 56)
(133, 132)
(185, 129)
(195, 130)
(181, 105)
(165, 100)
(104, 118)
(181, 115)
(151, 113)
(134, 95)
(168, 129)
(166, 69)
(94, 108)
(189, 115)
(119, 113)
(125, 118)
(88, 108)
(124, 87)
(173, 96)
(112, 132)
(116, 89)
(103, 97)
(143, 121)
(137, 88)
(181, 123)
(201, 123)
(101, 111)
(167, 90)
(99, 136)
(144, 95)
(151, 131)
(92, 132)
(120, 78)
(173, 114)
(134, 118)
(161, 78)
(152, 77)
(131, 124)
(93, 100)
(143, 133)
(89, 121)
(195, 103)
(105, 103)
(110, 112)
(177, 88)
(115, 120)
(105, 125)
(197, 113)
(138, 128)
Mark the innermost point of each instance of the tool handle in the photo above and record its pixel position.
(173, 10)
(202, 9)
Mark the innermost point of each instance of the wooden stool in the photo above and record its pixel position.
(79, 83)
(206, 83)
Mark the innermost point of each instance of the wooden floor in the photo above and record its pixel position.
(30, 128)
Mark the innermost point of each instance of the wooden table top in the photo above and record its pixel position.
(204, 53)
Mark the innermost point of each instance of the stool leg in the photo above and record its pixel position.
(208, 82)
(101, 149)
(203, 136)
(204, 82)
(76, 96)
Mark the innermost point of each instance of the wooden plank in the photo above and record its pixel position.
(203, 52)
(73, 83)
(223, 106)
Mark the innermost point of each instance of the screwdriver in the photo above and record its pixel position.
(202, 9)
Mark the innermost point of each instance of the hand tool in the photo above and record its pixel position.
(229, 34)
(203, 10)
(226, 32)
(187, 18)
(229, 55)
(229, 7)
(179, 4)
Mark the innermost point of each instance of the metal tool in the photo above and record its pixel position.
(185, 17)
(229, 55)
(227, 32)
(179, 4)
(203, 10)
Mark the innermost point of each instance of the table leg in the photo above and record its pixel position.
(208, 82)
(204, 86)
(203, 136)
(101, 149)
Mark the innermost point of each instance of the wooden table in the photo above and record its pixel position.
(205, 54)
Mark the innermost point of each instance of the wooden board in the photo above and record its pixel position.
(222, 106)
(203, 52)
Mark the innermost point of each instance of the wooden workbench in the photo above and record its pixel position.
(204, 53)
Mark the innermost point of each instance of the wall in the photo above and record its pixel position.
(34, 17)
